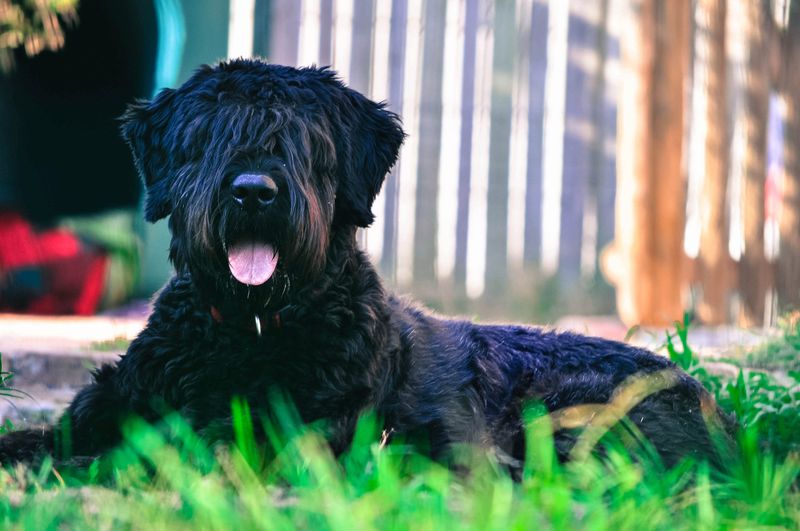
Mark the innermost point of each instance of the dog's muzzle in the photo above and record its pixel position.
(252, 261)
(254, 192)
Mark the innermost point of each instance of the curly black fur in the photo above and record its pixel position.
(345, 345)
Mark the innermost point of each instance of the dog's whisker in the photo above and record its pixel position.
(269, 299)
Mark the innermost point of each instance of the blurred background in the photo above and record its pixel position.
(638, 158)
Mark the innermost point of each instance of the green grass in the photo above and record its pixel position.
(118, 344)
(782, 353)
(170, 478)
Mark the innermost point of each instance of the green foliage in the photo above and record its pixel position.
(7, 392)
(782, 353)
(5, 382)
(766, 404)
(35, 25)
(684, 358)
(280, 474)
(118, 344)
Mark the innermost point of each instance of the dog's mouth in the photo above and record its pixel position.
(252, 262)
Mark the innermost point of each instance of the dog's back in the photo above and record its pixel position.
(474, 381)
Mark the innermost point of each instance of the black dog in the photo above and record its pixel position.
(266, 172)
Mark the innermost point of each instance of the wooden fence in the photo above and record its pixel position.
(508, 176)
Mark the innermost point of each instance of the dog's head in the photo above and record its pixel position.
(256, 165)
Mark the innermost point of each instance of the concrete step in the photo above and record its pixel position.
(50, 358)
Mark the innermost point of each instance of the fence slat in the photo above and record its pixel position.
(540, 15)
(646, 258)
(789, 254)
(285, 35)
(361, 45)
(714, 260)
(397, 59)
(580, 134)
(751, 80)
(602, 164)
(430, 132)
(499, 147)
(465, 152)
(262, 31)
(326, 32)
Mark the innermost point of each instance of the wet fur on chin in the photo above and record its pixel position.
(348, 345)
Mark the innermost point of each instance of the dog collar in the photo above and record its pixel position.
(272, 321)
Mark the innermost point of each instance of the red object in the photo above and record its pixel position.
(70, 274)
(18, 243)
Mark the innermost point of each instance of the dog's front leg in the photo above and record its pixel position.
(92, 423)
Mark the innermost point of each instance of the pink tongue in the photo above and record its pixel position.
(252, 262)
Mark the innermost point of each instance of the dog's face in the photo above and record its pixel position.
(256, 165)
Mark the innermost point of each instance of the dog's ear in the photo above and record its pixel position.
(370, 147)
(146, 129)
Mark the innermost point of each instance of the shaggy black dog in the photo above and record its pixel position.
(266, 172)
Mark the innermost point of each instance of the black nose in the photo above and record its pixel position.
(254, 191)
